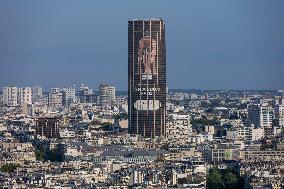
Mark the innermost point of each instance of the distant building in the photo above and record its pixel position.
(147, 77)
(10, 96)
(278, 100)
(68, 96)
(36, 94)
(261, 155)
(266, 116)
(85, 90)
(36, 91)
(27, 109)
(210, 129)
(178, 127)
(107, 94)
(1, 99)
(280, 115)
(262, 115)
(47, 127)
(86, 94)
(232, 134)
(24, 95)
(220, 154)
(55, 98)
(41, 100)
(254, 115)
(206, 96)
(250, 133)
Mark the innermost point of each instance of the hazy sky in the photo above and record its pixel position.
(211, 44)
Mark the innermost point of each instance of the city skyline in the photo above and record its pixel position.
(142, 94)
(224, 45)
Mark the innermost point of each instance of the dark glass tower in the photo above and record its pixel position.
(146, 77)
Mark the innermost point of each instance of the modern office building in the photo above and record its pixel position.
(147, 77)
(10, 96)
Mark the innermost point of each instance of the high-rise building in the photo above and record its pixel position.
(24, 95)
(266, 116)
(36, 94)
(37, 91)
(47, 127)
(86, 94)
(280, 115)
(262, 115)
(147, 77)
(55, 98)
(68, 96)
(254, 115)
(10, 96)
(107, 94)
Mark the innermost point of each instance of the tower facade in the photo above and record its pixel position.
(147, 77)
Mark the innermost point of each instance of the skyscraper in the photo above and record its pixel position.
(147, 77)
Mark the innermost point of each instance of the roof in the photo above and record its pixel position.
(146, 19)
(133, 153)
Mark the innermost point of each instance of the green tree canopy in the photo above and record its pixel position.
(230, 179)
(10, 167)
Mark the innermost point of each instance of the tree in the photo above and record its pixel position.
(106, 126)
(8, 167)
(215, 180)
(53, 156)
(95, 122)
(40, 155)
(230, 179)
(226, 178)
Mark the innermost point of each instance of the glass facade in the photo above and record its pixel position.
(147, 77)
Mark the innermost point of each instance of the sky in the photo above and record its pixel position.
(211, 44)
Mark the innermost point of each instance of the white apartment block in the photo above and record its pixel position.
(55, 97)
(250, 133)
(280, 115)
(232, 135)
(107, 94)
(37, 91)
(24, 95)
(10, 96)
(36, 94)
(266, 116)
(68, 95)
(85, 90)
(178, 126)
(210, 129)
(67, 134)
(261, 115)
(1, 100)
